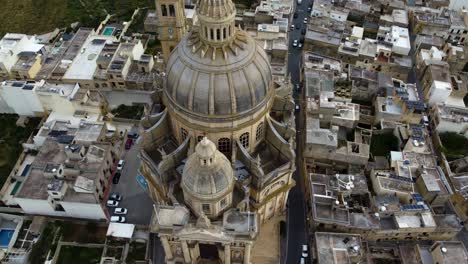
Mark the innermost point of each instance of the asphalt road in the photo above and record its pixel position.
(296, 219)
(135, 199)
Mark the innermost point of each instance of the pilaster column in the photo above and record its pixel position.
(167, 247)
(247, 249)
(186, 251)
(227, 254)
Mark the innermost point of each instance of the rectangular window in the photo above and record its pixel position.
(223, 203)
(206, 208)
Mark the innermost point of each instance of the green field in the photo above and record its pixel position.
(41, 16)
(79, 255)
(382, 144)
(454, 146)
(11, 138)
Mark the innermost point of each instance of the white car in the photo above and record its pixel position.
(305, 251)
(120, 211)
(115, 196)
(302, 261)
(292, 27)
(117, 219)
(295, 43)
(112, 203)
(120, 165)
(299, 45)
(305, 20)
(299, 2)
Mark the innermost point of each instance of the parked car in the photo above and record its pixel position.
(116, 178)
(128, 143)
(309, 9)
(292, 27)
(425, 120)
(299, 2)
(115, 196)
(299, 45)
(117, 219)
(133, 135)
(305, 20)
(120, 211)
(302, 261)
(120, 165)
(295, 15)
(303, 31)
(295, 43)
(305, 251)
(112, 203)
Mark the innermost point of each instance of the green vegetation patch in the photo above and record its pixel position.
(89, 233)
(79, 255)
(136, 252)
(454, 145)
(45, 243)
(42, 16)
(11, 137)
(129, 112)
(382, 144)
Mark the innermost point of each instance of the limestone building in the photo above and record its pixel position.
(170, 17)
(220, 155)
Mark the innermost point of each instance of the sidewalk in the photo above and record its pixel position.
(266, 249)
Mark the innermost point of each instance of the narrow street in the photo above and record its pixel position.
(296, 219)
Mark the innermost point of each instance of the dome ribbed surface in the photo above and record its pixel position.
(228, 84)
(216, 9)
(207, 180)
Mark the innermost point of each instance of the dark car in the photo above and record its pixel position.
(295, 15)
(129, 143)
(116, 178)
(303, 31)
(133, 135)
(298, 26)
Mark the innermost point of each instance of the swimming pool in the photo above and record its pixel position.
(5, 237)
(108, 31)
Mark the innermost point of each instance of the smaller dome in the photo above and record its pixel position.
(207, 174)
(206, 149)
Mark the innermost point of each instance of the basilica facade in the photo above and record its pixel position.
(219, 155)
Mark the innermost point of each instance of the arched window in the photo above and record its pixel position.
(218, 34)
(104, 85)
(244, 140)
(259, 133)
(224, 145)
(224, 33)
(200, 138)
(211, 34)
(163, 10)
(206, 32)
(183, 133)
(171, 11)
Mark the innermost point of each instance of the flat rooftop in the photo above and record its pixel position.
(336, 248)
(51, 155)
(451, 251)
(84, 64)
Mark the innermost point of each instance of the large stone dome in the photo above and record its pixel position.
(207, 174)
(217, 70)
